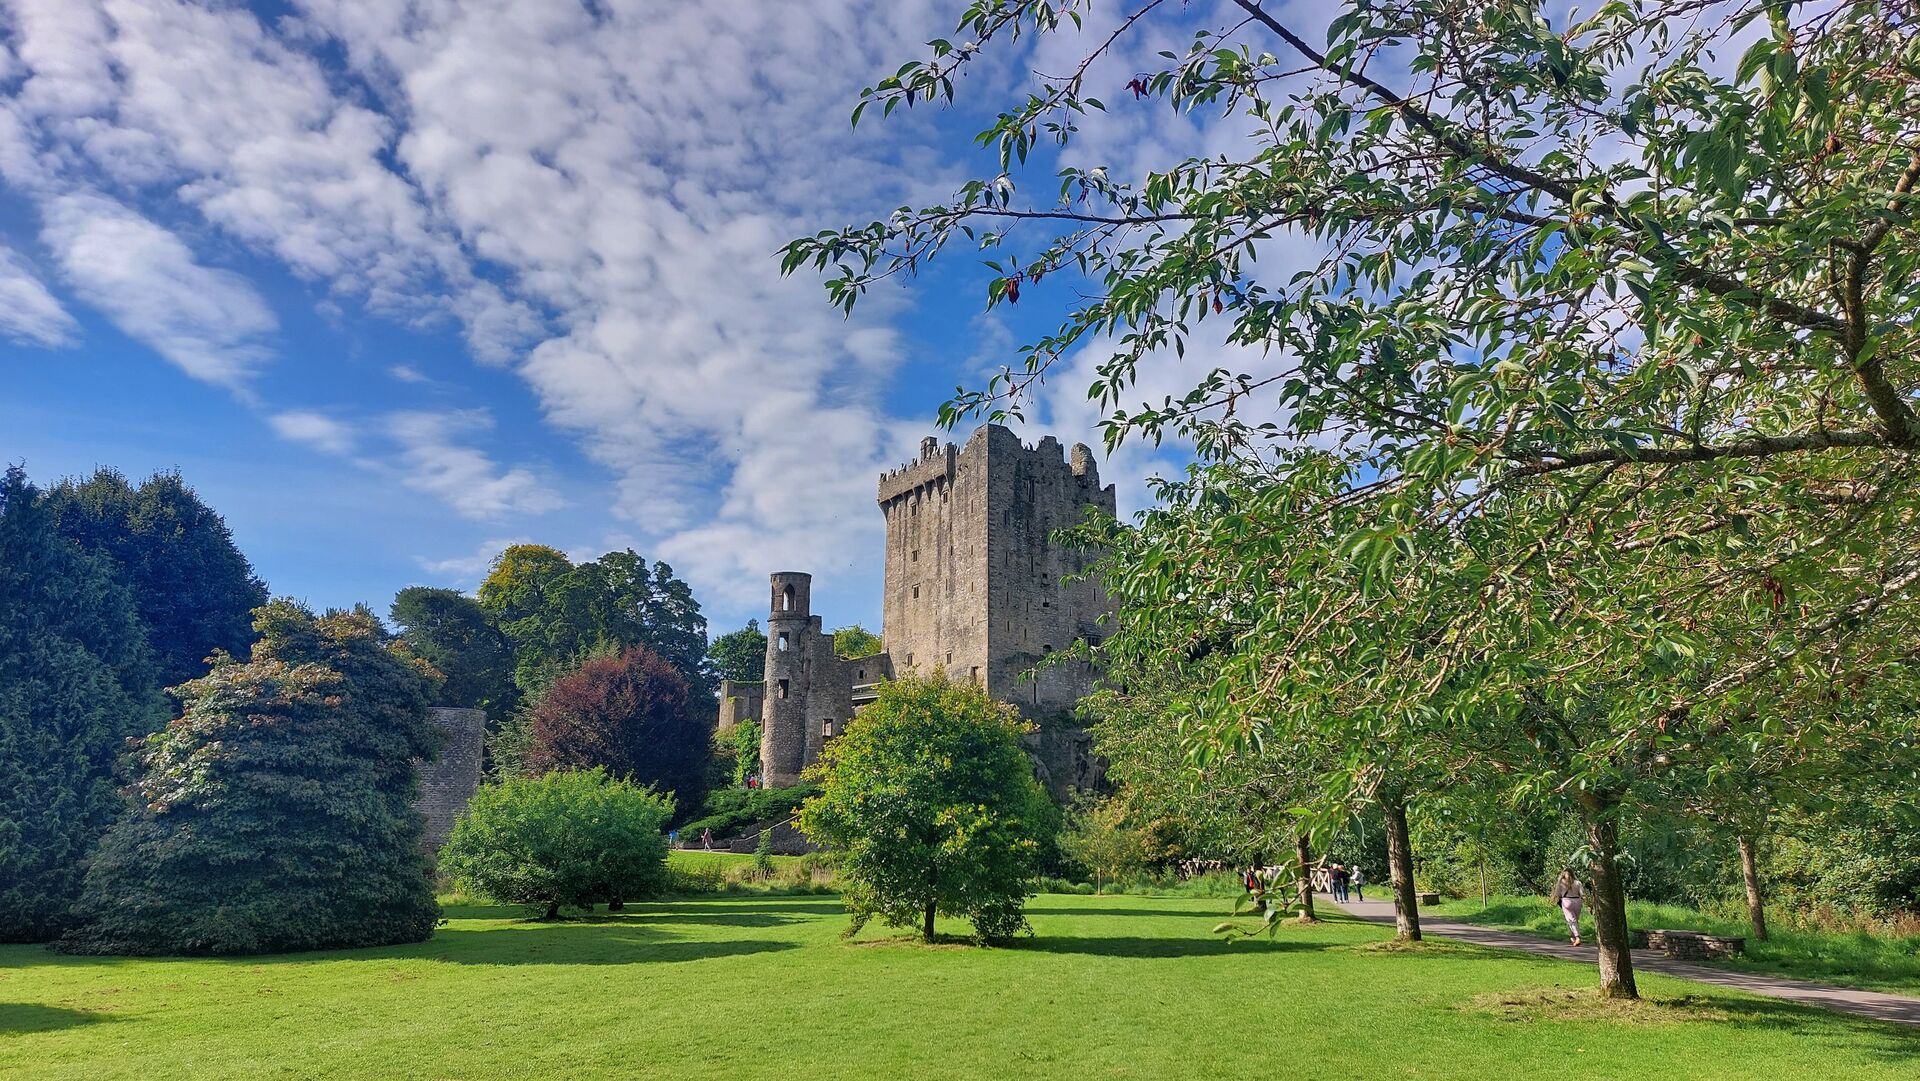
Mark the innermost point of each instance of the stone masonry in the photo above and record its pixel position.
(974, 586)
(449, 781)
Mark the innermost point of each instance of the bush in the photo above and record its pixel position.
(729, 810)
(930, 806)
(568, 839)
(277, 813)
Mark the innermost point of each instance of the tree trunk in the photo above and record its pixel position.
(1303, 851)
(1608, 898)
(1756, 901)
(1406, 901)
(926, 934)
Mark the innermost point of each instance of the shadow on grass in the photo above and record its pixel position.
(1161, 947)
(573, 942)
(1121, 911)
(20, 1018)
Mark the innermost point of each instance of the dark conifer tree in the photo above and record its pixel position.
(277, 813)
(194, 590)
(75, 682)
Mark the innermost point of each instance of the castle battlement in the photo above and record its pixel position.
(974, 585)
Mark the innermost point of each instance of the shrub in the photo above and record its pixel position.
(573, 839)
(930, 806)
(729, 810)
(277, 813)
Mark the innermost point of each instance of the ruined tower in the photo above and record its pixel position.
(974, 581)
(807, 696)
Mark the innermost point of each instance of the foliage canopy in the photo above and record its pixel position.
(930, 805)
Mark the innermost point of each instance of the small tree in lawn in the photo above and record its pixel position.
(571, 839)
(930, 804)
(1100, 840)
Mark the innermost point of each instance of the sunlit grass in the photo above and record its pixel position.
(758, 986)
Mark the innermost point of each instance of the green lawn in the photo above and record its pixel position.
(1877, 962)
(759, 986)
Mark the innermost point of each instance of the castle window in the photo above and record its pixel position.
(976, 675)
(783, 641)
(916, 555)
(826, 728)
(916, 593)
(786, 599)
(783, 688)
(949, 656)
(909, 660)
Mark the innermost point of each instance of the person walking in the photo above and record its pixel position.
(706, 840)
(1359, 882)
(1570, 896)
(1340, 878)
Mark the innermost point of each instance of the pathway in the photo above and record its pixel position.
(1899, 1009)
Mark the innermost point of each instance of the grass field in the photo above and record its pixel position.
(763, 986)
(1856, 959)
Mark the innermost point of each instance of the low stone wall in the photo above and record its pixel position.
(1693, 945)
(448, 782)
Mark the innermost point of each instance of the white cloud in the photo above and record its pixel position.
(316, 430)
(207, 321)
(594, 192)
(433, 459)
(407, 373)
(28, 312)
(466, 571)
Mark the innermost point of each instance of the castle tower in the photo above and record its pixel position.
(783, 735)
(974, 581)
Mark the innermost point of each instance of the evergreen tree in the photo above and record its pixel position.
(450, 631)
(76, 681)
(277, 813)
(194, 590)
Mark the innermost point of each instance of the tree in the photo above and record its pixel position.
(556, 614)
(1604, 343)
(856, 641)
(193, 588)
(570, 838)
(628, 714)
(740, 655)
(450, 631)
(277, 813)
(1101, 841)
(931, 807)
(76, 681)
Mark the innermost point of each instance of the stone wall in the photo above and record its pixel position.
(448, 782)
(739, 701)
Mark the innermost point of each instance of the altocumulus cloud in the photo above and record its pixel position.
(594, 192)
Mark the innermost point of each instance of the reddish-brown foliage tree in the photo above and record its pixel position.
(627, 713)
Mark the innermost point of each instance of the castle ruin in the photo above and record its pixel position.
(974, 584)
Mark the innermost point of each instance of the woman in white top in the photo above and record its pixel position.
(1568, 894)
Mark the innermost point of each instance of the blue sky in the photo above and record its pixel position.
(394, 283)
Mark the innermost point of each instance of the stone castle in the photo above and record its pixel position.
(974, 585)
